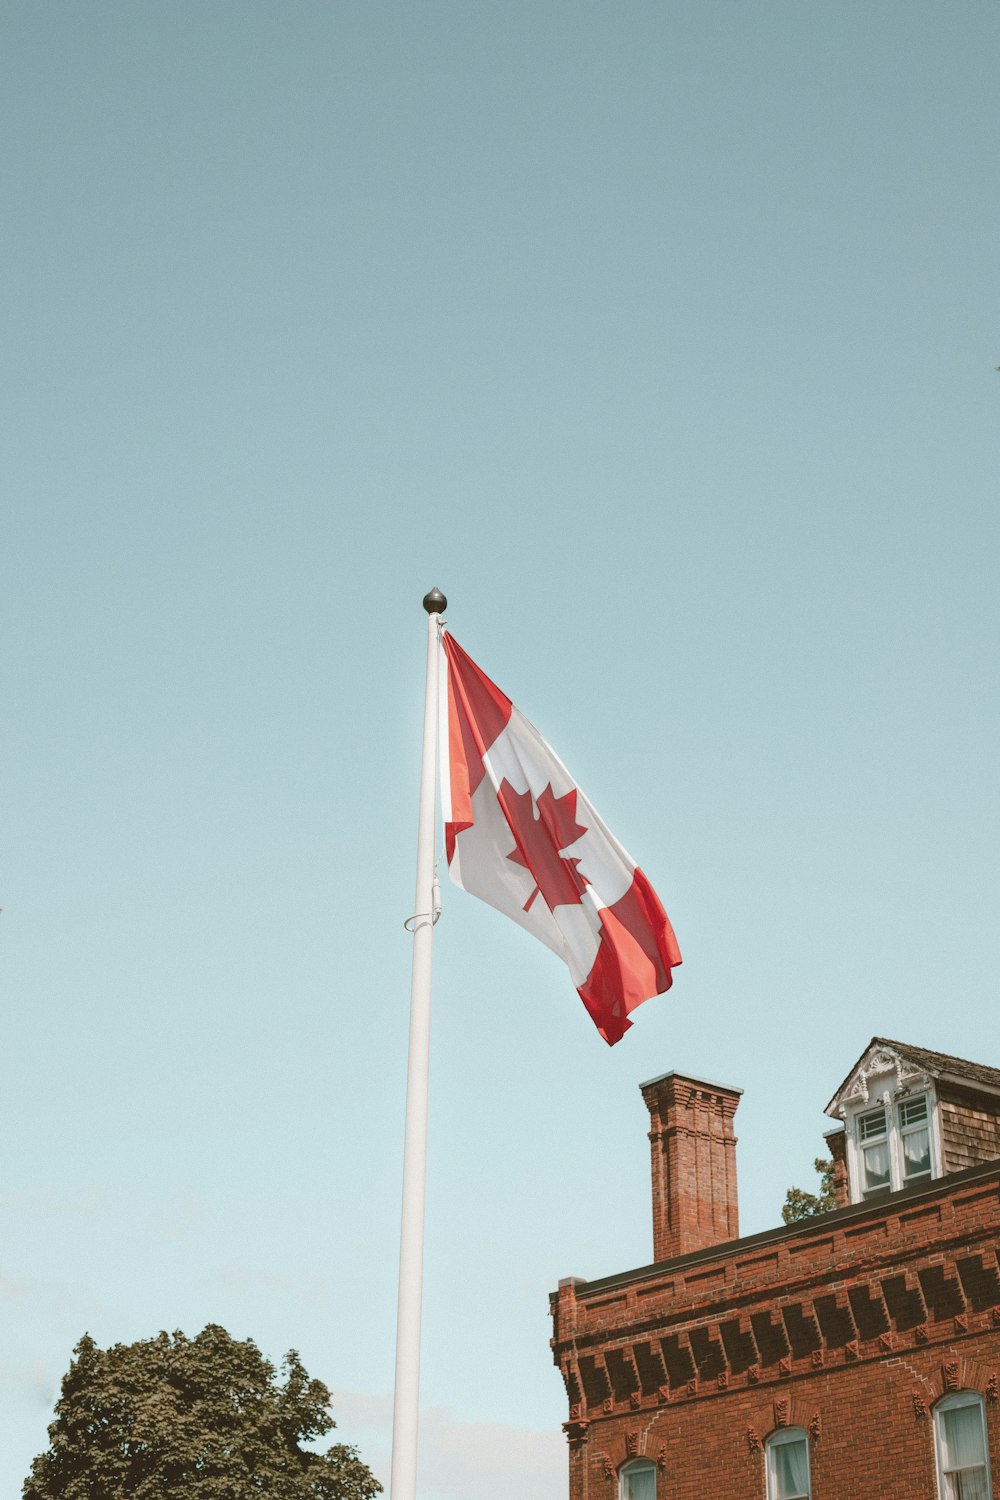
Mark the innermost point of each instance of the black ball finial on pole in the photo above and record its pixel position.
(435, 603)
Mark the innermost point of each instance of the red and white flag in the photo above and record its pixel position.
(520, 835)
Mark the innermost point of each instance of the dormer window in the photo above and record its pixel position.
(910, 1116)
(892, 1146)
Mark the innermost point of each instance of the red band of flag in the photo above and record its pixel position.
(522, 836)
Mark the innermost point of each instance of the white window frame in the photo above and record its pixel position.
(950, 1403)
(891, 1103)
(877, 1138)
(635, 1466)
(777, 1440)
(902, 1130)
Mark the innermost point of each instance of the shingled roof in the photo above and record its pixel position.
(937, 1064)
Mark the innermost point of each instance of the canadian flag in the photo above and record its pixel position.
(520, 835)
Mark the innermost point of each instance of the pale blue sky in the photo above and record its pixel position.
(661, 337)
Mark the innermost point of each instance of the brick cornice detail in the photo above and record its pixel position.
(789, 1372)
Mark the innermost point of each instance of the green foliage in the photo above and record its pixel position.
(202, 1419)
(802, 1205)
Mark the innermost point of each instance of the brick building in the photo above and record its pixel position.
(850, 1356)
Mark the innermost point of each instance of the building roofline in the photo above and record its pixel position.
(943, 1066)
(820, 1224)
(974, 1085)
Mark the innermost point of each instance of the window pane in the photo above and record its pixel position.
(872, 1124)
(790, 1468)
(971, 1485)
(966, 1484)
(911, 1111)
(876, 1160)
(962, 1437)
(640, 1484)
(916, 1153)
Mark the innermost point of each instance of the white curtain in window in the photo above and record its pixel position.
(877, 1164)
(963, 1452)
(970, 1485)
(916, 1153)
(640, 1484)
(791, 1470)
(962, 1437)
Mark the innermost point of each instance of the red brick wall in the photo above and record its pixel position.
(870, 1432)
(693, 1160)
(837, 1145)
(851, 1326)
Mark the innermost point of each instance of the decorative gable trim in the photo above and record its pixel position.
(880, 1062)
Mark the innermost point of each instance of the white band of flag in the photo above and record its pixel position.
(521, 836)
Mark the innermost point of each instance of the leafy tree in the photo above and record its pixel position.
(202, 1418)
(802, 1205)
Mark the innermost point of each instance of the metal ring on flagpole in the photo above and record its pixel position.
(434, 916)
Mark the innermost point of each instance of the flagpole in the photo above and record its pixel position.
(406, 1401)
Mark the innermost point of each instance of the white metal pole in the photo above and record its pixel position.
(406, 1401)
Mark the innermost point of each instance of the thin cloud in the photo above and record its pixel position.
(312, 1290)
(16, 1289)
(42, 1204)
(35, 1381)
(47, 1297)
(459, 1460)
(185, 1214)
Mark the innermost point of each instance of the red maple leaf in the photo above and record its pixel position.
(540, 836)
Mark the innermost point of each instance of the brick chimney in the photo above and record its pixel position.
(693, 1152)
